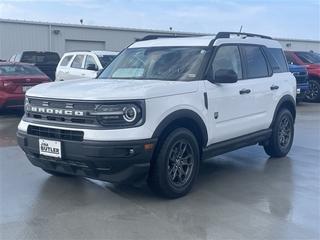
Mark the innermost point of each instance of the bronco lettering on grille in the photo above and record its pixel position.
(56, 111)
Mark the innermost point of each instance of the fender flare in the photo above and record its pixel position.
(182, 114)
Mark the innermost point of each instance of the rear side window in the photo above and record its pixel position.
(256, 63)
(77, 61)
(66, 60)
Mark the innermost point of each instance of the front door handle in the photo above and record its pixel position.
(274, 87)
(245, 91)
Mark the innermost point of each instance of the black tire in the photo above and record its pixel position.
(281, 139)
(175, 166)
(58, 174)
(314, 91)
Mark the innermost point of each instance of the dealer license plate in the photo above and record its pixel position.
(26, 88)
(50, 148)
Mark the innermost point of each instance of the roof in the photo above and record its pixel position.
(208, 41)
(97, 52)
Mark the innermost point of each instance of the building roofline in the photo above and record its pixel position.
(97, 27)
(131, 29)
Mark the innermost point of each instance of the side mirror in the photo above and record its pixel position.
(225, 76)
(92, 67)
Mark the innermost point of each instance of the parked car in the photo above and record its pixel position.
(15, 80)
(301, 75)
(312, 62)
(46, 61)
(160, 107)
(83, 64)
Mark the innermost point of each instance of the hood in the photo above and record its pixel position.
(313, 66)
(106, 89)
(296, 68)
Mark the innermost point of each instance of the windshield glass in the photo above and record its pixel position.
(106, 59)
(163, 63)
(308, 57)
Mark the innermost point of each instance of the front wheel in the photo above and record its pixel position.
(313, 95)
(281, 138)
(175, 166)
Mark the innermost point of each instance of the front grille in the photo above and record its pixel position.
(62, 112)
(55, 133)
(302, 79)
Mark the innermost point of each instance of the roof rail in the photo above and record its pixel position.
(79, 51)
(228, 34)
(150, 37)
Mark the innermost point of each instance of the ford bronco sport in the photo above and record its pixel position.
(160, 107)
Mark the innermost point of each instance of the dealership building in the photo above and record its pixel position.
(16, 36)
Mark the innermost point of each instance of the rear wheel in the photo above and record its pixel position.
(176, 165)
(281, 139)
(313, 95)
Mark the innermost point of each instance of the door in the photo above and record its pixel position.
(264, 87)
(229, 104)
(76, 67)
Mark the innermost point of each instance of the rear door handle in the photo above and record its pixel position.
(245, 91)
(274, 87)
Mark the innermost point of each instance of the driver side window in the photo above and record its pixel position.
(227, 57)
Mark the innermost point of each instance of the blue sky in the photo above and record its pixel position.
(281, 19)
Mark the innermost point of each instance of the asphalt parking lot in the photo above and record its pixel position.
(240, 195)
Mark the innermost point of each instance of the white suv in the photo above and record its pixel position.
(83, 64)
(160, 107)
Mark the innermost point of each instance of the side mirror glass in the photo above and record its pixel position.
(225, 76)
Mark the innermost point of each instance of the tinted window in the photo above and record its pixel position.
(66, 60)
(227, 57)
(40, 58)
(280, 58)
(308, 57)
(106, 59)
(291, 59)
(256, 63)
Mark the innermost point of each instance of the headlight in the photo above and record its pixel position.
(26, 104)
(118, 115)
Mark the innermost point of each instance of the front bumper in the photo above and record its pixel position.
(302, 90)
(118, 162)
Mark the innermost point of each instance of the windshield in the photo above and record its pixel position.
(163, 63)
(106, 59)
(308, 57)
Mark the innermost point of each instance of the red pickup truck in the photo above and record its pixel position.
(311, 61)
